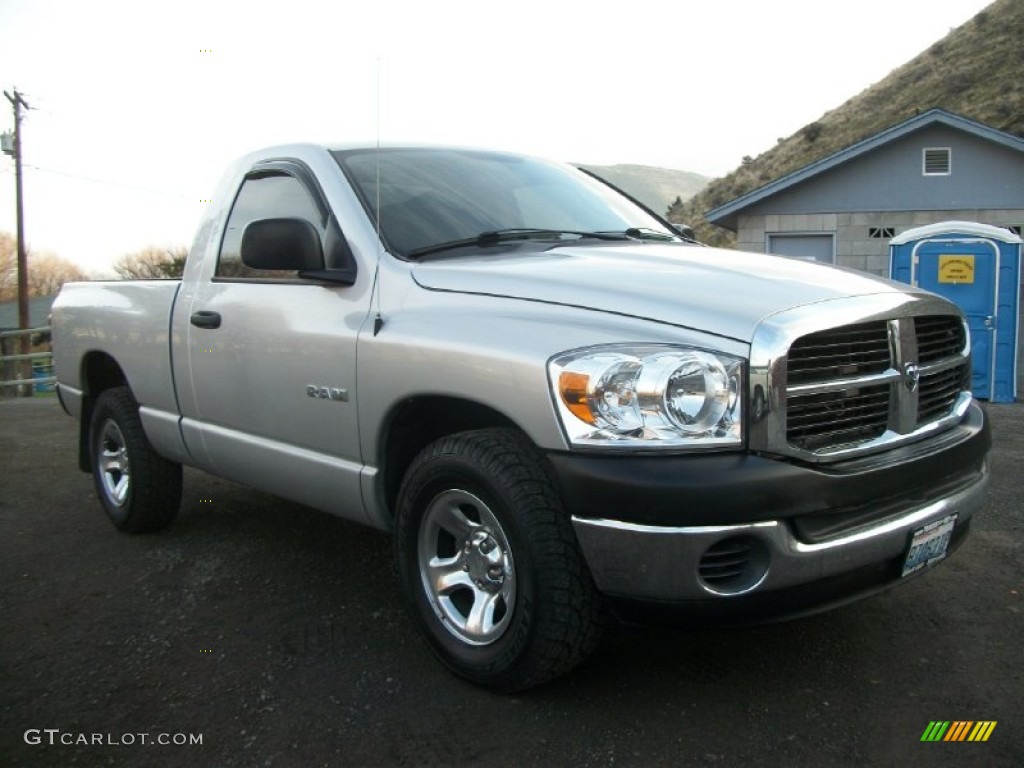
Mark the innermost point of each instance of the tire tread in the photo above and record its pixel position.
(156, 483)
(570, 616)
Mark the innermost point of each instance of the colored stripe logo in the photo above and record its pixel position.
(958, 730)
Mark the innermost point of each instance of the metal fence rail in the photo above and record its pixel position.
(41, 378)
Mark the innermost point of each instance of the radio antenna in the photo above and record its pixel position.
(378, 319)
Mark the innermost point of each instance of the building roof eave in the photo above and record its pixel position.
(727, 215)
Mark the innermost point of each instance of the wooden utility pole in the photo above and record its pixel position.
(17, 102)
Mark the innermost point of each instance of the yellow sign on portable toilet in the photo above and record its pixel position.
(956, 268)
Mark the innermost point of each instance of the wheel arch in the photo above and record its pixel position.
(416, 422)
(99, 372)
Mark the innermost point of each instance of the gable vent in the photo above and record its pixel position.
(936, 161)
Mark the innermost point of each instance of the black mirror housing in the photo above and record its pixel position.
(686, 231)
(282, 244)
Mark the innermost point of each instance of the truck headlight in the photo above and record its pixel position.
(649, 396)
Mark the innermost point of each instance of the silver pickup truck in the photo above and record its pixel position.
(559, 405)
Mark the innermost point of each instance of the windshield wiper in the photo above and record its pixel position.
(645, 233)
(498, 236)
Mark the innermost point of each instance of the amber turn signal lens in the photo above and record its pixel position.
(572, 387)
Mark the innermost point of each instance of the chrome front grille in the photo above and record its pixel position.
(856, 375)
(865, 386)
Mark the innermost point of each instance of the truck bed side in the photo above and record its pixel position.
(119, 329)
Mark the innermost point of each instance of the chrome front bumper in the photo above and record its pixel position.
(669, 563)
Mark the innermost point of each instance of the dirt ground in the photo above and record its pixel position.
(276, 634)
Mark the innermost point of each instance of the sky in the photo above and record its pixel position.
(138, 107)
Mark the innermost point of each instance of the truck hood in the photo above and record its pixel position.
(727, 293)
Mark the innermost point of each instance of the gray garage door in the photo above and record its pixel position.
(814, 247)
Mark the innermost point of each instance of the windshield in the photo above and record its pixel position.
(432, 197)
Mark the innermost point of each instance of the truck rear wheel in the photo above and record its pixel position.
(139, 490)
(489, 562)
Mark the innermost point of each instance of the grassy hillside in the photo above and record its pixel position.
(976, 71)
(656, 188)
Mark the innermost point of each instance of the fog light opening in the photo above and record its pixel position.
(734, 565)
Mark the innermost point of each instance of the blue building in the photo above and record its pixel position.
(845, 208)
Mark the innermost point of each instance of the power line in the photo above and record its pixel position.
(108, 183)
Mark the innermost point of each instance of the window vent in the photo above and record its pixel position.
(886, 233)
(937, 161)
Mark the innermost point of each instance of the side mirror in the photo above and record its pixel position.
(686, 232)
(282, 244)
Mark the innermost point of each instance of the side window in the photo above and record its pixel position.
(270, 196)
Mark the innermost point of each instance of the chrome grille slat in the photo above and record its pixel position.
(838, 385)
(864, 416)
(938, 338)
(852, 433)
(855, 350)
(938, 394)
(855, 412)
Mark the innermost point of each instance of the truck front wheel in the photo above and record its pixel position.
(489, 562)
(139, 490)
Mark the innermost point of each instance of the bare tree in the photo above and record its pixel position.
(47, 272)
(8, 267)
(152, 262)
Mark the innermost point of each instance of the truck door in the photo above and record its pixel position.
(965, 271)
(270, 396)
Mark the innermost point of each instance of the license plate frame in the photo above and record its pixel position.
(928, 545)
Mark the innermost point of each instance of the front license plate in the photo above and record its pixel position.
(928, 545)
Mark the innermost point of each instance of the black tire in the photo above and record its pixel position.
(139, 490)
(511, 603)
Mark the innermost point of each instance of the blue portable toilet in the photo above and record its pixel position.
(977, 266)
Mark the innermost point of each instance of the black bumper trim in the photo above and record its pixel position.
(736, 489)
